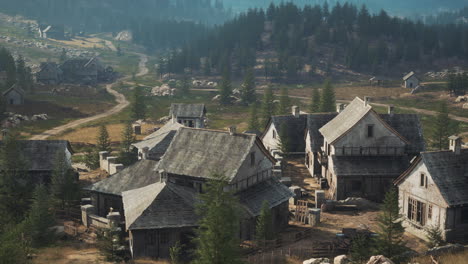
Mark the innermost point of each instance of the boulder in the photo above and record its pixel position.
(342, 259)
(379, 260)
(316, 261)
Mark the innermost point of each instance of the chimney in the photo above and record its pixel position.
(340, 107)
(366, 100)
(232, 130)
(145, 152)
(391, 110)
(455, 144)
(296, 112)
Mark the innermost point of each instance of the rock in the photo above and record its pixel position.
(465, 106)
(216, 98)
(460, 99)
(360, 203)
(379, 260)
(317, 261)
(125, 35)
(342, 259)
(445, 249)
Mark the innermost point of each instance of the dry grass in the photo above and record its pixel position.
(89, 134)
(457, 258)
(83, 42)
(69, 254)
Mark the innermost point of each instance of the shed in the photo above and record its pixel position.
(14, 95)
(411, 81)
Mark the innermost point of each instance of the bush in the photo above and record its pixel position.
(434, 237)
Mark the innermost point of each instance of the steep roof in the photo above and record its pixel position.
(14, 87)
(409, 75)
(187, 110)
(200, 152)
(408, 126)
(365, 165)
(347, 119)
(449, 172)
(314, 123)
(160, 140)
(140, 174)
(296, 129)
(160, 205)
(272, 191)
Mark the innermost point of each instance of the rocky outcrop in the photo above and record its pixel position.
(317, 261)
(379, 260)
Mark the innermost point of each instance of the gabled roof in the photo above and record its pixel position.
(159, 141)
(449, 173)
(140, 174)
(14, 87)
(409, 127)
(314, 123)
(160, 205)
(296, 129)
(187, 110)
(90, 61)
(201, 152)
(272, 191)
(409, 75)
(370, 165)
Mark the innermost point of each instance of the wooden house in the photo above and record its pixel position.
(411, 81)
(363, 151)
(49, 73)
(159, 215)
(189, 115)
(14, 95)
(82, 70)
(433, 193)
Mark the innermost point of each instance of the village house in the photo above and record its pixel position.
(363, 151)
(433, 193)
(51, 32)
(189, 115)
(155, 145)
(14, 95)
(378, 81)
(81, 70)
(49, 73)
(159, 215)
(411, 80)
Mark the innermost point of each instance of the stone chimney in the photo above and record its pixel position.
(296, 111)
(340, 107)
(391, 110)
(145, 153)
(232, 130)
(366, 100)
(455, 144)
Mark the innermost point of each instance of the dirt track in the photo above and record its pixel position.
(122, 102)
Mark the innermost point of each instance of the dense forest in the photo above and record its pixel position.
(112, 15)
(343, 34)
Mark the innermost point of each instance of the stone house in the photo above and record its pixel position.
(159, 215)
(155, 145)
(14, 95)
(411, 80)
(189, 115)
(363, 151)
(49, 73)
(433, 192)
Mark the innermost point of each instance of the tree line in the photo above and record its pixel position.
(16, 72)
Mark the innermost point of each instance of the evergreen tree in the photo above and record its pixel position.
(264, 224)
(138, 107)
(63, 55)
(175, 253)
(284, 141)
(91, 159)
(248, 89)
(328, 103)
(361, 249)
(225, 89)
(185, 86)
(14, 246)
(254, 123)
(284, 102)
(442, 127)
(315, 102)
(21, 73)
(217, 236)
(103, 140)
(267, 105)
(40, 219)
(126, 156)
(390, 229)
(64, 187)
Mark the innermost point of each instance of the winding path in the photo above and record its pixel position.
(122, 102)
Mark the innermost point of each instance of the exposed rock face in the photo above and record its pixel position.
(379, 260)
(317, 261)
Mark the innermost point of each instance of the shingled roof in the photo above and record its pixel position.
(16, 88)
(160, 205)
(408, 126)
(409, 75)
(159, 141)
(140, 174)
(314, 123)
(370, 165)
(296, 129)
(200, 152)
(187, 110)
(449, 172)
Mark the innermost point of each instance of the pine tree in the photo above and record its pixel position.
(315, 102)
(267, 105)
(138, 107)
(126, 156)
(284, 141)
(217, 236)
(64, 187)
(328, 103)
(254, 123)
(225, 89)
(103, 140)
(40, 218)
(390, 229)
(14, 246)
(284, 102)
(91, 159)
(248, 89)
(264, 224)
(361, 249)
(21, 73)
(442, 127)
(185, 86)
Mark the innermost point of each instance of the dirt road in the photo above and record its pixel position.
(122, 102)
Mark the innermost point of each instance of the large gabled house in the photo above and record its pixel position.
(189, 115)
(363, 151)
(159, 215)
(433, 193)
(49, 73)
(82, 70)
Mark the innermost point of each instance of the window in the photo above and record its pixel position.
(429, 212)
(370, 131)
(274, 134)
(423, 180)
(252, 159)
(416, 211)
